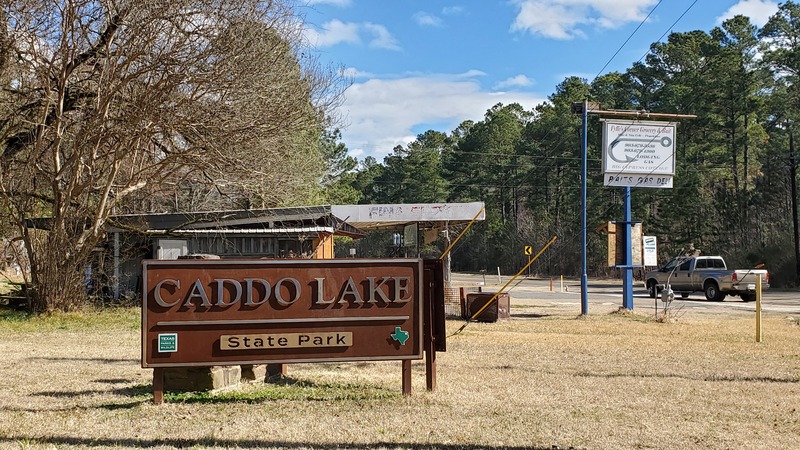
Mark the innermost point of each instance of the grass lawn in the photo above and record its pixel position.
(543, 380)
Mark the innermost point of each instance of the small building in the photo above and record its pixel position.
(295, 232)
(298, 232)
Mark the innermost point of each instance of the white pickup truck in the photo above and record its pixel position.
(708, 274)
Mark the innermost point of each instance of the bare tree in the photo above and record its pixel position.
(107, 101)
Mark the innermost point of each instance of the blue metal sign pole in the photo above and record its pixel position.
(584, 278)
(627, 277)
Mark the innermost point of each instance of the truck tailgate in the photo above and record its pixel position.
(746, 279)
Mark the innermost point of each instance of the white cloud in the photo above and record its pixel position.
(383, 113)
(514, 82)
(332, 33)
(471, 73)
(427, 19)
(452, 10)
(759, 11)
(337, 32)
(381, 38)
(564, 19)
(352, 72)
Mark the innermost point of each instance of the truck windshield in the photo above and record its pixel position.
(671, 264)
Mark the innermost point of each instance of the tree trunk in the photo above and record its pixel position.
(793, 184)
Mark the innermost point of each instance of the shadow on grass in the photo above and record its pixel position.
(96, 360)
(287, 388)
(88, 442)
(122, 406)
(721, 378)
(128, 391)
(529, 315)
(112, 380)
(110, 406)
(141, 391)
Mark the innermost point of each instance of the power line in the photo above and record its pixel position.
(628, 39)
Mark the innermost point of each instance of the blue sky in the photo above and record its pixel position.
(418, 65)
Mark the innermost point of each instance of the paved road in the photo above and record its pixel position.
(606, 295)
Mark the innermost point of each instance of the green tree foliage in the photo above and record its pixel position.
(413, 173)
(781, 47)
(552, 143)
(486, 165)
(340, 176)
(368, 174)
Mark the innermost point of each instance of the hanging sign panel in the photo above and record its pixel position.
(650, 250)
(651, 181)
(638, 148)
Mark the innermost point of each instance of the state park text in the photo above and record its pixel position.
(286, 340)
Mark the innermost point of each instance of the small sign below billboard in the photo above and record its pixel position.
(651, 181)
(650, 249)
(635, 147)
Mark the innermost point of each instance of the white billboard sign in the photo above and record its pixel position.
(650, 250)
(634, 147)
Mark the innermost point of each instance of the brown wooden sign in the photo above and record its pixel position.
(616, 243)
(226, 312)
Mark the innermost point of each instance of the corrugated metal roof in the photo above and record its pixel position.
(347, 220)
(249, 231)
(317, 218)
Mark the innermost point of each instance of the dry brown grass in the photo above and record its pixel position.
(607, 381)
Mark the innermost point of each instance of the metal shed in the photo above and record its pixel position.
(300, 232)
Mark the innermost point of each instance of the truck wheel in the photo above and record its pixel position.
(651, 288)
(713, 293)
(748, 296)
